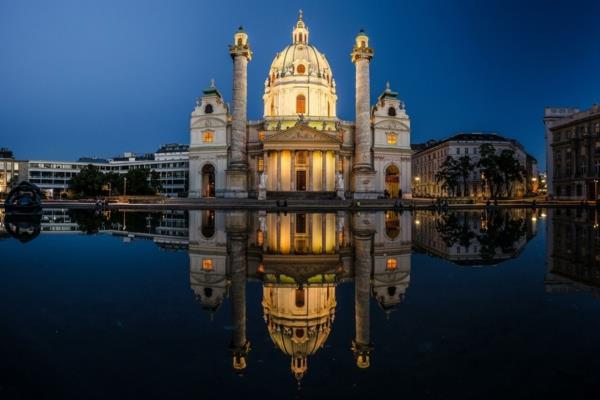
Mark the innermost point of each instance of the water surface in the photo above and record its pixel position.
(194, 304)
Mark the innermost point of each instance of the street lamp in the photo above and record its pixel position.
(124, 186)
(596, 189)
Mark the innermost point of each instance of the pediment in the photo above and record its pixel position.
(392, 124)
(302, 133)
(208, 123)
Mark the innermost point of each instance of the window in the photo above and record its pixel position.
(208, 137)
(392, 138)
(208, 109)
(299, 298)
(363, 43)
(300, 69)
(340, 164)
(458, 150)
(207, 264)
(392, 112)
(300, 104)
(392, 263)
(261, 136)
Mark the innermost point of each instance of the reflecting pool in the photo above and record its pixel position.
(479, 304)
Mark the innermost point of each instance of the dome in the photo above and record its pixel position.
(292, 56)
(300, 81)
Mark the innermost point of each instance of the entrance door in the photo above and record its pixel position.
(301, 181)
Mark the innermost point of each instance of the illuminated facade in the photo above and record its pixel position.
(300, 148)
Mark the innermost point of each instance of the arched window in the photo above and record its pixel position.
(392, 112)
(272, 108)
(239, 41)
(328, 109)
(208, 109)
(300, 104)
(363, 43)
(300, 69)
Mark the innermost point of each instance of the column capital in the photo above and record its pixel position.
(240, 50)
(361, 53)
(240, 46)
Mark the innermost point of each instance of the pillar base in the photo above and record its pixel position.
(363, 185)
(237, 184)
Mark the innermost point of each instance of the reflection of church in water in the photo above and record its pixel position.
(300, 258)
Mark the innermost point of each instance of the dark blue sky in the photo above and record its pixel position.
(96, 78)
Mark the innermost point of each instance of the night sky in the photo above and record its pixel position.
(97, 78)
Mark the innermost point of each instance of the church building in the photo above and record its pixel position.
(300, 148)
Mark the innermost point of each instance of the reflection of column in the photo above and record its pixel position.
(324, 233)
(237, 240)
(361, 345)
(310, 171)
(278, 233)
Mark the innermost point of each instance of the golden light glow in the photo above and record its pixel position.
(260, 164)
(300, 104)
(317, 170)
(392, 263)
(317, 233)
(285, 234)
(207, 264)
(208, 137)
(392, 138)
(330, 171)
(260, 238)
(286, 165)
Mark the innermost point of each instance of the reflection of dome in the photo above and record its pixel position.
(299, 320)
(300, 80)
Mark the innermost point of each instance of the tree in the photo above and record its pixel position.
(88, 181)
(140, 181)
(448, 175)
(464, 167)
(511, 170)
(115, 183)
(14, 181)
(488, 165)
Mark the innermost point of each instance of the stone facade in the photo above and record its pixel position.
(575, 154)
(300, 148)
